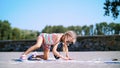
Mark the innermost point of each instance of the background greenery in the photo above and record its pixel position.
(9, 33)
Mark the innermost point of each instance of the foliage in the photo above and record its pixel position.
(112, 6)
(9, 33)
(98, 29)
(5, 30)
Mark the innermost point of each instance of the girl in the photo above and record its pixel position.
(46, 40)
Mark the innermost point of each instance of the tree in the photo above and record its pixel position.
(104, 27)
(28, 34)
(113, 7)
(111, 27)
(77, 29)
(47, 29)
(98, 30)
(117, 28)
(54, 29)
(16, 34)
(71, 28)
(0, 30)
(5, 30)
(9, 33)
(86, 30)
(91, 30)
(58, 29)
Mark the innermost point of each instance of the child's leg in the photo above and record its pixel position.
(36, 46)
(46, 54)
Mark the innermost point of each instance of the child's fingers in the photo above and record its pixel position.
(70, 59)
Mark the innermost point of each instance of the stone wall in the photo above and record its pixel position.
(84, 43)
(97, 43)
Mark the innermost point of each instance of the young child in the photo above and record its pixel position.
(47, 40)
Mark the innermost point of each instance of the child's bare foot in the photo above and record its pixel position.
(34, 56)
(23, 57)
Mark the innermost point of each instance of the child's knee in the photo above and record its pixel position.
(45, 57)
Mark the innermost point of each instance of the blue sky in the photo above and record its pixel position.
(36, 14)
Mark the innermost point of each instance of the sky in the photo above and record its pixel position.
(36, 14)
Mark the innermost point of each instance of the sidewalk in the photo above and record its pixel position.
(6, 60)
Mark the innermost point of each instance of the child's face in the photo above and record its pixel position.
(70, 41)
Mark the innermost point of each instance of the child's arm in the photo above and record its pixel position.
(66, 51)
(57, 53)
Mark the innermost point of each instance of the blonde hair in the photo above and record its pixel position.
(71, 34)
(68, 36)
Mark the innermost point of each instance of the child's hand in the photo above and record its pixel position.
(67, 58)
(70, 58)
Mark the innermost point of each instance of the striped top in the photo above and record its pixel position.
(49, 39)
